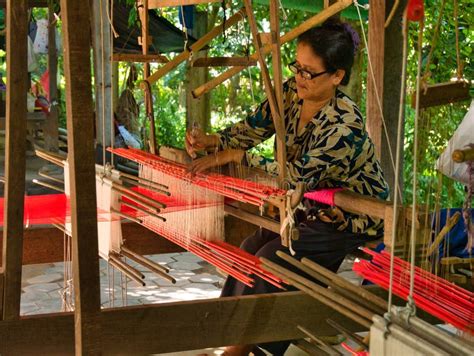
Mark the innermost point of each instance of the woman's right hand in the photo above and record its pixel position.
(198, 140)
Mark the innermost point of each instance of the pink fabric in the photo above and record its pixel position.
(325, 196)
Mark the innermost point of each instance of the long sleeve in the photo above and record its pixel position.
(248, 133)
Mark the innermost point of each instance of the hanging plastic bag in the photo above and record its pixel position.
(32, 62)
(463, 138)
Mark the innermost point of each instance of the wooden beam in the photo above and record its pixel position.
(223, 62)
(187, 325)
(2, 278)
(51, 135)
(375, 74)
(31, 3)
(442, 94)
(266, 223)
(81, 158)
(15, 155)
(197, 46)
(138, 57)
(289, 36)
(156, 4)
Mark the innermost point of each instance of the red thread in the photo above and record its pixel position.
(325, 196)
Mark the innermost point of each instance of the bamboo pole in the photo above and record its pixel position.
(328, 349)
(460, 156)
(54, 179)
(341, 282)
(198, 45)
(291, 35)
(346, 289)
(345, 309)
(452, 221)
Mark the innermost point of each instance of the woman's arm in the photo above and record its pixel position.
(248, 133)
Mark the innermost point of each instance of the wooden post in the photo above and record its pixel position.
(392, 83)
(197, 110)
(15, 155)
(145, 42)
(76, 15)
(375, 73)
(101, 37)
(51, 127)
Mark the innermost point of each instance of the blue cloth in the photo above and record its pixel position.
(456, 239)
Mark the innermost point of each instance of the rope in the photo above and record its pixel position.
(392, 13)
(110, 18)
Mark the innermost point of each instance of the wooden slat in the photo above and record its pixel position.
(182, 326)
(196, 46)
(289, 36)
(51, 135)
(15, 159)
(173, 327)
(442, 94)
(138, 57)
(156, 4)
(223, 62)
(266, 223)
(375, 82)
(31, 3)
(81, 158)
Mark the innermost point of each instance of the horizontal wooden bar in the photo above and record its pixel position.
(156, 4)
(442, 94)
(223, 62)
(31, 3)
(139, 57)
(266, 223)
(174, 327)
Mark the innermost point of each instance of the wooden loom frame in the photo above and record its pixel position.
(133, 329)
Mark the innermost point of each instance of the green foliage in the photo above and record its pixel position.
(437, 124)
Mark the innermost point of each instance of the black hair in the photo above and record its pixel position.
(333, 41)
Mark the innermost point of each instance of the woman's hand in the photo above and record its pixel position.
(218, 159)
(198, 140)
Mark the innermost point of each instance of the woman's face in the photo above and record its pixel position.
(321, 87)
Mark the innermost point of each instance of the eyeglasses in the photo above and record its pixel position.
(304, 73)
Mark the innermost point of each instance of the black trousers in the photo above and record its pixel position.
(318, 241)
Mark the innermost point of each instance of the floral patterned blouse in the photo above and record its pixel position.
(334, 150)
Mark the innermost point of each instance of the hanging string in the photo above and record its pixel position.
(112, 116)
(392, 13)
(411, 303)
(102, 84)
(110, 18)
(377, 95)
(401, 115)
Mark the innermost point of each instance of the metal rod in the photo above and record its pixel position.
(341, 282)
(144, 259)
(140, 196)
(338, 303)
(142, 210)
(138, 201)
(116, 258)
(140, 179)
(346, 289)
(44, 175)
(126, 216)
(148, 264)
(50, 159)
(126, 272)
(47, 185)
(146, 186)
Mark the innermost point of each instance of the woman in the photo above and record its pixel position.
(327, 146)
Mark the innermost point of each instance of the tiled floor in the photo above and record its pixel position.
(43, 288)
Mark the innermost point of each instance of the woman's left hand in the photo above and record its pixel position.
(215, 160)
